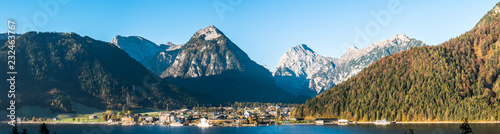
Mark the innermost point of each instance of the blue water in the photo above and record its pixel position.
(285, 129)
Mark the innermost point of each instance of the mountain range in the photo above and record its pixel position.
(401, 73)
(296, 68)
(208, 69)
(301, 71)
(209, 63)
(59, 70)
(456, 80)
(156, 58)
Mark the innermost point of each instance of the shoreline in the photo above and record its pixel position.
(364, 122)
(75, 123)
(437, 122)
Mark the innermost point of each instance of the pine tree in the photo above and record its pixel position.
(411, 131)
(44, 129)
(14, 130)
(25, 131)
(466, 128)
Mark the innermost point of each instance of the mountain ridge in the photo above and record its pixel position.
(156, 58)
(301, 71)
(297, 66)
(220, 68)
(61, 69)
(458, 79)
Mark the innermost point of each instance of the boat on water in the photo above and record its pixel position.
(343, 122)
(176, 124)
(204, 123)
(382, 122)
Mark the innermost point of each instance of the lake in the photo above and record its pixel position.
(284, 129)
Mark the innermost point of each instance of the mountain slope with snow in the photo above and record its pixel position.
(156, 58)
(301, 71)
(297, 66)
(355, 60)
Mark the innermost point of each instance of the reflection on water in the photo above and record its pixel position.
(287, 129)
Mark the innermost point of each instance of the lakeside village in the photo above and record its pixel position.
(197, 116)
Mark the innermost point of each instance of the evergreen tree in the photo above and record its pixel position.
(14, 130)
(466, 128)
(411, 131)
(448, 82)
(25, 131)
(44, 129)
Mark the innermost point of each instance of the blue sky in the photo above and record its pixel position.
(263, 29)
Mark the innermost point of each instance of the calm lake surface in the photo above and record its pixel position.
(284, 129)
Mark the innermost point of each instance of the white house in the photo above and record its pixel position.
(246, 114)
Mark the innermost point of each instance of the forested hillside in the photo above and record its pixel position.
(56, 70)
(448, 82)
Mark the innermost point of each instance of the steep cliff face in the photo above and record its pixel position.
(355, 60)
(301, 71)
(156, 58)
(212, 64)
(210, 53)
(297, 66)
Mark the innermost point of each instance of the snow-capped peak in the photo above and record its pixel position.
(395, 39)
(210, 33)
(352, 48)
(296, 67)
(401, 36)
(156, 58)
(301, 49)
(352, 52)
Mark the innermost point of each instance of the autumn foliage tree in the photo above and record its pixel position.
(448, 82)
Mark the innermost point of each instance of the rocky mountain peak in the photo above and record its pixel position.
(400, 40)
(301, 48)
(351, 48)
(400, 37)
(395, 40)
(355, 60)
(210, 53)
(296, 67)
(490, 16)
(209, 33)
(154, 57)
(209, 61)
(120, 41)
(169, 44)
